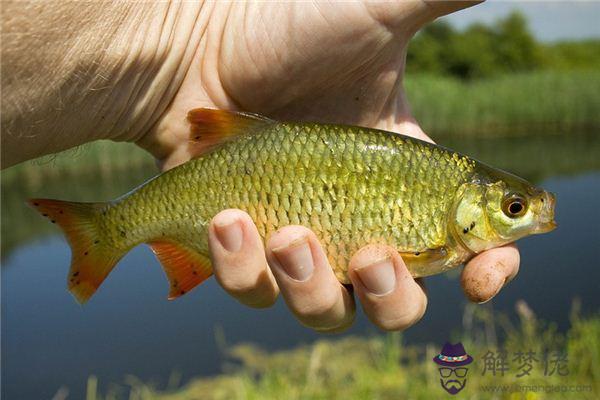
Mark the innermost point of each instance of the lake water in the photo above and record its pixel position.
(129, 328)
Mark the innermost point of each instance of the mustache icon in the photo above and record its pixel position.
(452, 386)
(453, 382)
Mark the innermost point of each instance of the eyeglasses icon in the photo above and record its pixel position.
(459, 372)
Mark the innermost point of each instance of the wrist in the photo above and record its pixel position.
(107, 73)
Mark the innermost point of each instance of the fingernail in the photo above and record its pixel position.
(378, 277)
(296, 259)
(230, 235)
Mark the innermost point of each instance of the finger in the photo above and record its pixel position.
(440, 8)
(403, 17)
(307, 281)
(488, 272)
(390, 296)
(239, 260)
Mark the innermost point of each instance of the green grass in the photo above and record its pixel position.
(540, 108)
(543, 102)
(96, 172)
(382, 367)
(101, 157)
(547, 102)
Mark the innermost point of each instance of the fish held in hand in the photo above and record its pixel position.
(352, 186)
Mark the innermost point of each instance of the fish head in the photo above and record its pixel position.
(491, 213)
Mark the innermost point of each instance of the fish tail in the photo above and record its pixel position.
(91, 258)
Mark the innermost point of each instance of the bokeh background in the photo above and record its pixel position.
(516, 85)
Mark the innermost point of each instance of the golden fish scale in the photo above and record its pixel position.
(352, 186)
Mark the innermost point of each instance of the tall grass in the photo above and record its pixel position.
(382, 367)
(96, 172)
(101, 157)
(517, 104)
(535, 106)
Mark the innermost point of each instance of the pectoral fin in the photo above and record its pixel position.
(424, 263)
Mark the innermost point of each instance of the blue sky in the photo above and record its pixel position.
(548, 20)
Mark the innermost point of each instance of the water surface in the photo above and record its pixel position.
(129, 328)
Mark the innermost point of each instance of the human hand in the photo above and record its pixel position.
(312, 61)
(346, 68)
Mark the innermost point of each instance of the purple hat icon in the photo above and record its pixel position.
(453, 355)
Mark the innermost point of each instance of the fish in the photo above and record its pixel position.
(351, 185)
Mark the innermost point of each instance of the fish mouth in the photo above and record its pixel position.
(546, 221)
(546, 227)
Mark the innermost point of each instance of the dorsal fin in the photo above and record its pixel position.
(210, 128)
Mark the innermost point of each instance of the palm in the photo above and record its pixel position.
(330, 63)
(322, 62)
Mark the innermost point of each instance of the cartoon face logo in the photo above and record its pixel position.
(453, 373)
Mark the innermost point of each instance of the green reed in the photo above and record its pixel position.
(88, 174)
(383, 367)
(503, 121)
(545, 102)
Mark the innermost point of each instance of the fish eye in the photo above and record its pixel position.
(514, 206)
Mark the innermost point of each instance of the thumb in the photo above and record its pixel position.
(407, 17)
(441, 8)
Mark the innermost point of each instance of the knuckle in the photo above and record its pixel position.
(259, 297)
(405, 318)
(318, 309)
(256, 291)
(400, 322)
(238, 287)
(335, 329)
(237, 278)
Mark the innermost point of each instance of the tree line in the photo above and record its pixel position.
(506, 46)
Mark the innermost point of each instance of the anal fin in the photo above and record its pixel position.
(185, 268)
(427, 262)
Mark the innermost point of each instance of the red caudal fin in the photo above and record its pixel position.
(210, 128)
(185, 268)
(91, 259)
